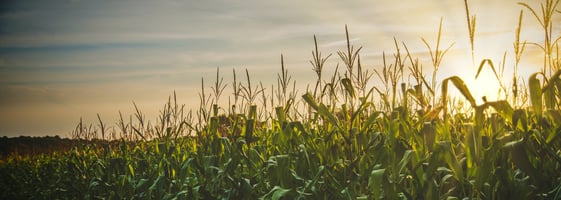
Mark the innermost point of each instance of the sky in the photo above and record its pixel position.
(62, 60)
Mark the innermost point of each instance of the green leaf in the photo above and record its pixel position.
(372, 119)
(519, 118)
(375, 182)
(348, 87)
(549, 91)
(131, 170)
(403, 162)
(279, 193)
(490, 65)
(513, 144)
(310, 100)
(503, 108)
(249, 127)
(276, 193)
(317, 177)
(461, 86)
(535, 93)
(281, 117)
(429, 135)
(157, 183)
(324, 111)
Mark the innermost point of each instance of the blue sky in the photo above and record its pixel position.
(65, 59)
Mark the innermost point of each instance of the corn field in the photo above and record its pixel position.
(340, 138)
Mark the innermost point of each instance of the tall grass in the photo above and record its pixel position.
(338, 139)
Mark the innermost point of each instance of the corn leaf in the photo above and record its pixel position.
(535, 93)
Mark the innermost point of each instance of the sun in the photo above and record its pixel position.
(486, 87)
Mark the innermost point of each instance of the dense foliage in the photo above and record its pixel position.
(339, 140)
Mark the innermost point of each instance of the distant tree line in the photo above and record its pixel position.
(28, 146)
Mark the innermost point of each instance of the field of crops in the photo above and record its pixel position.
(338, 139)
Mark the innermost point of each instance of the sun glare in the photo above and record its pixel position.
(486, 86)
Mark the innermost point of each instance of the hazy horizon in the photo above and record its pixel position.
(62, 60)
